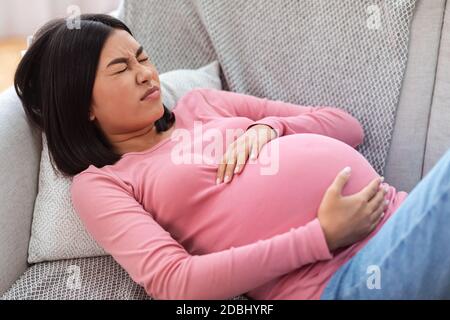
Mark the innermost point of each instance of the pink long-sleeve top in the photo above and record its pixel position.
(161, 216)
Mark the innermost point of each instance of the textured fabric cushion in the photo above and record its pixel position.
(57, 232)
(79, 279)
(348, 54)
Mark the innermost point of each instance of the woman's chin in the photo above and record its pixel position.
(157, 110)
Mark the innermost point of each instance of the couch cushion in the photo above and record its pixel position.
(96, 278)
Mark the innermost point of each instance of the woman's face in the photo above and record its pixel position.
(119, 87)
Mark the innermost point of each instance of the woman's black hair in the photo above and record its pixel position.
(54, 82)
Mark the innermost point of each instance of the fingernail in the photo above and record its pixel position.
(382, 179)
(386, 188)
(386, 202)
(227, 178)
(253, 156)
(347, 170)
(217, 181)
(382, 215)
(236, 170)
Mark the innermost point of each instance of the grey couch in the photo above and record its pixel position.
(421, 135)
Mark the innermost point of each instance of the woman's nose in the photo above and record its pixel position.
(144, 74)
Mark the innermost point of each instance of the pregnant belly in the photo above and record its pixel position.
(284, 188)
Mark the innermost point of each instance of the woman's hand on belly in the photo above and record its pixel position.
(237, 152)
(348, 219)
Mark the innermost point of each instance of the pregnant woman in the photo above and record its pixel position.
(151, 185)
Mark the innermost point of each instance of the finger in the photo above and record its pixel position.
(223, 165)
(229, 170)
(254, 149)
(340, 180)
(221, 171)
(242, 156)
(263, 142)
(379, 210)
(377, 200)
(378, 218)
(371, 189)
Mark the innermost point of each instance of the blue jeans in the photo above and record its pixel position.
(409, 258)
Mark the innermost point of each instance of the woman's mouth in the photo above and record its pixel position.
(151, 94)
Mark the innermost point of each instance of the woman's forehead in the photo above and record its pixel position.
(120, 44)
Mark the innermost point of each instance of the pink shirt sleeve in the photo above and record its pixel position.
(285, 118)
(163, 267)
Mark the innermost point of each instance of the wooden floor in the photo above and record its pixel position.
(10, 54)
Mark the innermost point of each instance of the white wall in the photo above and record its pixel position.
(24, 17)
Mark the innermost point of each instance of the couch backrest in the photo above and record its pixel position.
(438, 137)
(421, 132)
(190, 35)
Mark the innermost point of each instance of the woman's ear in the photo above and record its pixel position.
(91, 112)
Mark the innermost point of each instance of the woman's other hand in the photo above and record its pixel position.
(348, 219)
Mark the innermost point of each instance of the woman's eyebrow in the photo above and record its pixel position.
(125, 60)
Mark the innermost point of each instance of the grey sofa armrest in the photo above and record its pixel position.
(20, 152)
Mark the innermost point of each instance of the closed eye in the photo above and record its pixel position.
(143, 60)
